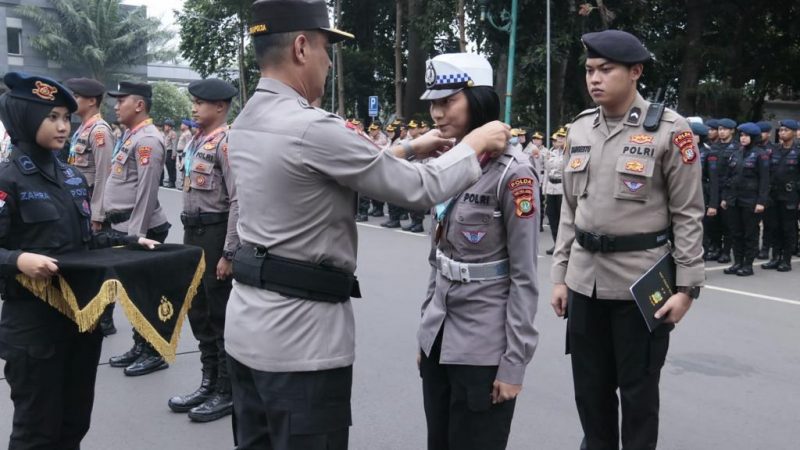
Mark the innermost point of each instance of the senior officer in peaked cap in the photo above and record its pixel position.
(130, 200)
(289, 329)
(628, 186)
(209, 221)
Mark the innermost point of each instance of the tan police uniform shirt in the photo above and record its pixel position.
(209, 187)
(298, 170)
(628, 181)
(135, 178)
(92, 156)
(489, 322)
(554, 172)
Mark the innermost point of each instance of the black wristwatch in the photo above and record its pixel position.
(692, 291)
(228, 255)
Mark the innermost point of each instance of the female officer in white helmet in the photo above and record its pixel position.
(477, 333)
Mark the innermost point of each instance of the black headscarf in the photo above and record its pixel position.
(22, 120)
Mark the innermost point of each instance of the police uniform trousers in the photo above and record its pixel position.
(52, 387)
(169, 163)
(611, 348)
(726, 234)
(291, 410)
(553, 207)
(207, 314)
(781, 224)
(395, 212)
(458, 405)
(743, 222)
(363, 204)
(378, 205)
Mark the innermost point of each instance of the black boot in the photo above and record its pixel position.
(216, 407)
(551, 250)
(763, 253)
(183, 403)
(403, 216)
(786, 264)
(375, 212)
(391, 223)
(724, 257)
(361, 218)
(712, 254)
(732, 270)
(148, 362)
(415, 227)
(774, 262)
(747, 268)
(127, 358)
(107, 326)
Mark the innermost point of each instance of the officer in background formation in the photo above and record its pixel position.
(552, 181)
(289, 331)
(617, 168)
(209, 219)
(709, 163)
(725, 148)
(130, 200)
(766, 238)
(745, 193)
(781, 215)
(50, 366)
(417, 217)
(398, 133)
(537, 153)
(183, 140)
(713, 131)
(171, 147)
(382, 142)
(90, 151)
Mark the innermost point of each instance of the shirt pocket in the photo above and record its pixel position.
(38, 211)
(81, 158)
(577, 168)
(476, 231)
(202, 175)
(634, 177)
(118, 169)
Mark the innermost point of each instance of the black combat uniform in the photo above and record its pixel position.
(725, 151)
(746, 185)
(44, 209)
(781, 216)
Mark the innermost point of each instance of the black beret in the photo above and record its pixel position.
(764, 125)
(130, 88)
(790, 124)
(85, 87)
(39, 90)
(615, 45)
(750, 128)
(284, 16)
(212, 90)
(169, 122)
(727, 123)
(699, 129)
(712, 123)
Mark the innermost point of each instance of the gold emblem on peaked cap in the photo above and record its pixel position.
(165, 309)
(45, 91)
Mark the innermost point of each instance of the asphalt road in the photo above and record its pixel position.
(731, 381)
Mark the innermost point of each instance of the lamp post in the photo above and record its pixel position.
(510, 27)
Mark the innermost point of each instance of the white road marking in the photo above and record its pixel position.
(751, 294)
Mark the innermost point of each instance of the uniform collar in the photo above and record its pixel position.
(278, 87)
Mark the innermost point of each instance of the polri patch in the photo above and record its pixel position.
(99, 138)
(474, 237)
(520, 182)
(685, 143)
(144, 155)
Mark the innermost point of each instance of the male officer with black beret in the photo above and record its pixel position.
(781, 215)
(90, 151)
(209, 221)
(289, 326)
(631, 181)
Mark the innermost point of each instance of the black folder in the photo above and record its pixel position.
(653, 289)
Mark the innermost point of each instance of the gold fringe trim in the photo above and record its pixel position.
(63, 299)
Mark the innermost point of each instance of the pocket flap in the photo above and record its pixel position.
(474, 216)
(202, 166)
(630, 165)
(38, 211)
(577, 163)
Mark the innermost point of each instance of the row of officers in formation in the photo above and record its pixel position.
(751, 186)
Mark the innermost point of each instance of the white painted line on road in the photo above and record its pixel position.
(751, 294)
(712, 269)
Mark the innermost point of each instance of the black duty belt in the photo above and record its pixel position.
(115, 216)
(190, 220)
(554, 180)
(254, 266)
(609, 244)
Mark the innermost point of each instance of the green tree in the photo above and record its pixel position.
(99, 36)
(169, 102)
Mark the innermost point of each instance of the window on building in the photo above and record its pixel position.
(14, 41)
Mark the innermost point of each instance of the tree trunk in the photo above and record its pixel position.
(398, 61)
(462, 38)
(690, 67)
(339, 66)
(415, 84)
